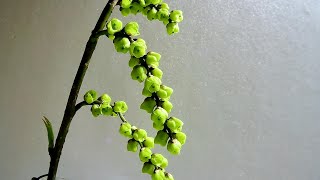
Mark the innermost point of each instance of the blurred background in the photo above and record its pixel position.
(245, 76)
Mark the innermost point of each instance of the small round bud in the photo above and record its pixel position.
(174, 124)
(168, 90)
(134, 61)
(132, 145)
(125, 130)
(148, 168)
(145, 10)
(174, 147)
(122, 45)
(167, 105)
(172, 28)
(139, 135)
(158, 126)
(105, 98)
(155, 2)
(164, 6)
(125, 11)
(163, 15)
(120, 107)
(142, 3)
(139, 73)
(106, 109)
(95, 110)
(152, 84)
(164, 163)
(152, 60)
(162, 93)
(132, 29)
(148, 104)
(181, 137)
(161, 138)
(125, 3)
(145, 154)
(158, 175)
(157, 72)
(135, 8)
(138, 49)
(146, 92)
(148, 142)
(114, 25)
(157, 55)
(157, 159)
(90, 96)
(152, 14)
(159, 115)
(176, 16)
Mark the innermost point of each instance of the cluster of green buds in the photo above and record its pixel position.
(101, 105)
(153, 163)
(153, 9)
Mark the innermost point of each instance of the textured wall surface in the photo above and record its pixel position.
(245, 74)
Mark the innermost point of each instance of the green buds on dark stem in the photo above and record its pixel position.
(90, 96)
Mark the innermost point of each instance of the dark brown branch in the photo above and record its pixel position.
(38, 178)
(71, 104)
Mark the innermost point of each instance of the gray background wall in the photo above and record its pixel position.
(245, 74)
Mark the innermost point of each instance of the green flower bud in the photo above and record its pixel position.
(158, 126)
(114, 25)
(181, 137)
(139, 73)
(161, 138)
(125, 11)
(174, 124)
(139, 135)
(176, 16)
(135, 8)
(152, 14)
(148, 104)
(132, 29)
(167, 105)
(157, 159)
(168, 90)
(125, 130)
(122, 45)
(148, 168)
(95, 110)
(162, 93)
(158, 175)
(148, 142)
(168, 176)
(174, 147)
(125, 3)
(157, 72)
(152, 61)
(106, 109)
(132, 145)
(90, 96)
(134, 61)
(172, 28)
(138, 49)
(145, 154)
(163, 15)
(159, 115)
(157, 55)
(120, 107)
(152, 84)
(146, 92)
(164, 163)
(145, 10)
(105, 98)
(164, 6)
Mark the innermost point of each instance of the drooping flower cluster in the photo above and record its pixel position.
(153, 9)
